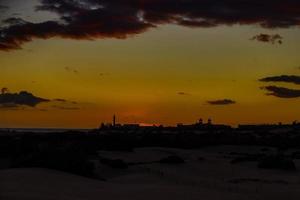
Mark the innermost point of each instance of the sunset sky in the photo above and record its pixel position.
(78, 62)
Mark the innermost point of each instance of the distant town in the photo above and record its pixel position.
(201, 125)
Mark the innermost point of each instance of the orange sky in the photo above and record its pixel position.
(163, 76)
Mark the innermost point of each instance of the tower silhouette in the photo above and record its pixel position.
(114, 120)
(209, 122)
(200, 121)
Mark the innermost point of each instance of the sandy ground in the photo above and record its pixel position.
(213, 178)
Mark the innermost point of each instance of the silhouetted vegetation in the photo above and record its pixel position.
(114, 163)
(69, 159)
(277, 162)
(73, 151)
(172, 160)
(201, 158)
(245, 157)
(256, 180)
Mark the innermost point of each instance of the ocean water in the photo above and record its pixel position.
(41, 130)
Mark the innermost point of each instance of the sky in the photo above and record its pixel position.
(76, 63)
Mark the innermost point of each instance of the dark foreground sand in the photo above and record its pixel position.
(213, 178)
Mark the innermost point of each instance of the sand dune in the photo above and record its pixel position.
(211, 179)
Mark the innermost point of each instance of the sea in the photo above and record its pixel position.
(42, 130)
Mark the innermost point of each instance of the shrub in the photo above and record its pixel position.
(201, 158)
(243, 159)
(172, 160)
(277, 162)
(68, 160)
(114, 163)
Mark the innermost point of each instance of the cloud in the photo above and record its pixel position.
(25, 100)
(65, 107)
(9, 106)
(3, 8)
(65, 101)
(281, 92)
(283, 78)
(64, 104)
(60, 100)
(273, 39)
(22, 98)
(183, 93)
(103, 74)
(69, 69)
(221, 102)
(14, 21)
(97, 19)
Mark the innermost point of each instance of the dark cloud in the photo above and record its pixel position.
(14, 21)
(22, 98)
(283, 78)
(104, 74)
(16, 14)
(15, 35)
(65, 107)
(221, 102)
(281, 92)
(95, 19)
(9, 106)
(64, 101)
(273, 39)
(3, 8)
(60, 100)
(183, 93)
(69, 69)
